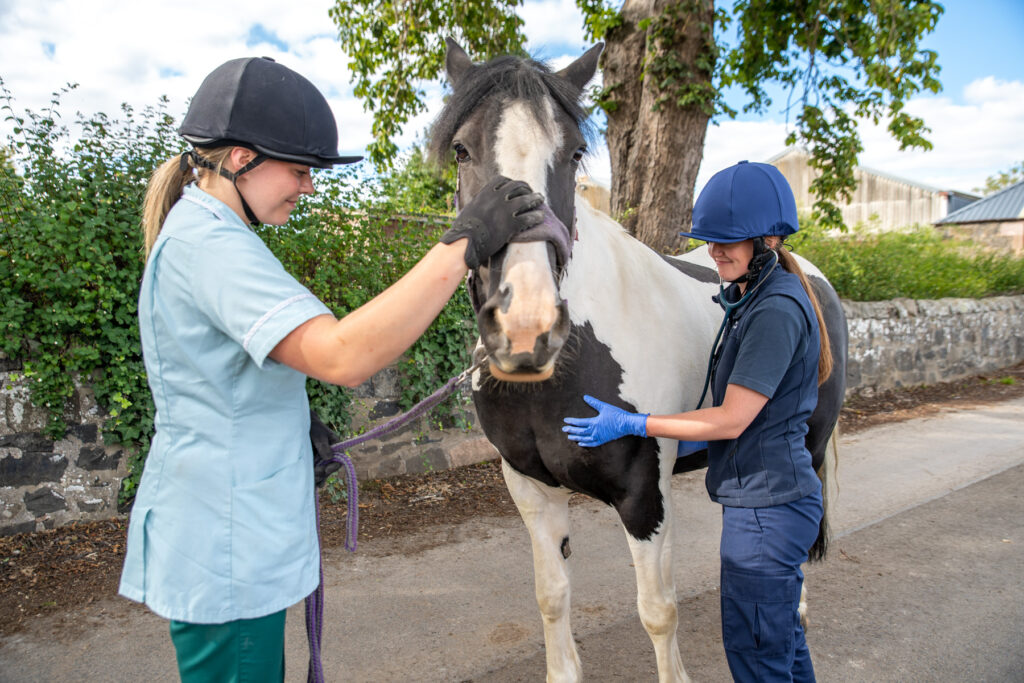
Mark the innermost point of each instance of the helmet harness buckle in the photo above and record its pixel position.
(200, 161)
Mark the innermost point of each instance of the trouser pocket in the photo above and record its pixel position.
(759, 611)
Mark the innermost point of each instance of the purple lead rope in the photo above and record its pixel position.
(315, 600)
(315, 613)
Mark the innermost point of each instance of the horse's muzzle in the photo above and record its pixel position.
(522, 354)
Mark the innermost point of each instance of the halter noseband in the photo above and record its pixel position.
(550, 229)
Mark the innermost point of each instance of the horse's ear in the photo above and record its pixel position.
(456, 62)
(582, 70)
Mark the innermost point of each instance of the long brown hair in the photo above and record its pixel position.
(790, 264)
(166, 185)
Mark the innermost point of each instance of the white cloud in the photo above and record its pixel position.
(135, 52)
(734, 141)
(551, 24)
(971, 141)
(597, 165)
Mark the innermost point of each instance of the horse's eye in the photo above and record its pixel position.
(578, 156)
(461, 153)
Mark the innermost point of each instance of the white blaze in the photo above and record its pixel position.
(524, 149)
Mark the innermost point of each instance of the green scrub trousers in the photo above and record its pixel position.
(241, 651)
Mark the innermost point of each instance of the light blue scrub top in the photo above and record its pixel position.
(223, 525)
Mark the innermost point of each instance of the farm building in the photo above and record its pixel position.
(997, 221)
(881, 201)
(597, 194)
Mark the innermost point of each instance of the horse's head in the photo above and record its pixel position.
(516, 117)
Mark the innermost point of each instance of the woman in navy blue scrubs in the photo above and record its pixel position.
(764, 384)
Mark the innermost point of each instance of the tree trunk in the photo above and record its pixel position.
(656, 145)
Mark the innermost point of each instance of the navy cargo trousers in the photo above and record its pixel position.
(762, 550)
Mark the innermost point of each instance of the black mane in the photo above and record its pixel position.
(511, 78)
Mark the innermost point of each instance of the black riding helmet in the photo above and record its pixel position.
(257, 103)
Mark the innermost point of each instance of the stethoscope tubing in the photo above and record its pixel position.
(729, 308)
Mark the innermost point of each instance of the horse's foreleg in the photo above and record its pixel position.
(545, 510)
(656, 594)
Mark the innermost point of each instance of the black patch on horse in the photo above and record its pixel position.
(524, 422)
(699, 273)
(832, 391)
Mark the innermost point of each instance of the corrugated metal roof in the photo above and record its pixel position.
(1007, 204)
(786, 152)
(870, 171)
(897, 179)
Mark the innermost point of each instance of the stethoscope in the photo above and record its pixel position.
(729, 309)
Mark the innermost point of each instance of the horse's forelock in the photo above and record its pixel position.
(512, 78)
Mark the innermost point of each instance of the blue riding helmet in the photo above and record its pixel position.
(742, 202)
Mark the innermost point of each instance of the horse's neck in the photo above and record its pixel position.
(610, 269)
(657, 322)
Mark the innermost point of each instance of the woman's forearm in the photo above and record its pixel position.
(727, 421)
(707, 424)
(350, 350)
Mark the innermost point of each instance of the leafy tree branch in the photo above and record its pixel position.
(837, 62)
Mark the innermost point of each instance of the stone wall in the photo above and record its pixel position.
(904, 342)
(46, 483)
(419, 446)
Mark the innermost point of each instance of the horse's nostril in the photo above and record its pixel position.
(505, 297)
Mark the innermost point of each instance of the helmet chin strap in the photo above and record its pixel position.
(762, 255)
(203, 162)
(249, 213)
(730, 308)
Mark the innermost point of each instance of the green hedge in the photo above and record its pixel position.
(917, 264)
(71, 262)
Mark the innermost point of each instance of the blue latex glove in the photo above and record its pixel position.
(687, 447)
(610, 423)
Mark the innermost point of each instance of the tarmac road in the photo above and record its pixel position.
(925, 582)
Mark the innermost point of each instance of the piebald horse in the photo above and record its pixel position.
(581, 307)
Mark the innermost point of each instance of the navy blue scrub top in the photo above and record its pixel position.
(771, 345)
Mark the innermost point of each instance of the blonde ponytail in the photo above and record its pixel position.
(166, 185)
(825, 357)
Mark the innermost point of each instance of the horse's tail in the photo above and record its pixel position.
(826, 473)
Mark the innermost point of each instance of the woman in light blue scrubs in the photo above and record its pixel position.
(222, 537)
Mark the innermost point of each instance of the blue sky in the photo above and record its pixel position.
(134, 52)
(972, 39)
(985, 37)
